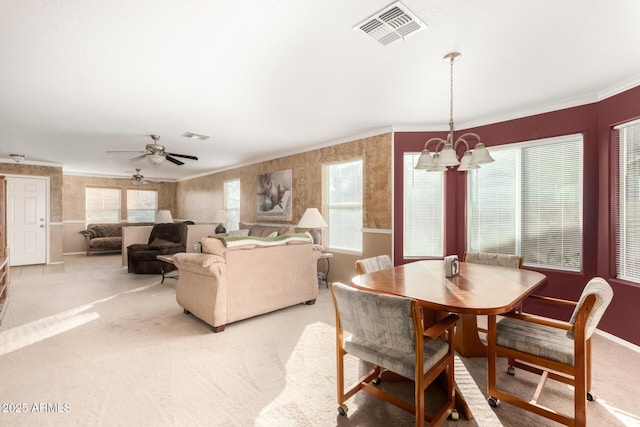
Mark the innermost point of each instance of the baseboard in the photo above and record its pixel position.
(618, 340)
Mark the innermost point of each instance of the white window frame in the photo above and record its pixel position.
(414, 227)
(233, 212)
(151, 217)
(114, 220)
(329, 206)
(627, 240)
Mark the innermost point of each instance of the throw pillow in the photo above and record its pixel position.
(238, 233)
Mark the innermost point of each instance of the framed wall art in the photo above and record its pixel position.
(274, 196)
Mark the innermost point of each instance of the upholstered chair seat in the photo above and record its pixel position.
(387, 331)
(551, 348)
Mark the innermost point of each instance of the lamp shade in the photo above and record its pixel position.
(466, 164)
(424, 161)
(448, 156)
(481, 154)
(312, 219)
(221, 218)
(163, 216)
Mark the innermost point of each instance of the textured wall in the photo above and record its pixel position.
(199, 198)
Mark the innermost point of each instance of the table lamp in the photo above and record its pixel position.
(222, 218)
(313, 220)
(163, 216)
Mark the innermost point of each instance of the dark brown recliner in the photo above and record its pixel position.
(165, 239)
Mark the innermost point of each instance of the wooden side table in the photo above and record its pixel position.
(327, 257)
(165, 259)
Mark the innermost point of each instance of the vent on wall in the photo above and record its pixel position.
(393, 23)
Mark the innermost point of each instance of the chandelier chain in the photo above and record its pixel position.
(451, 96)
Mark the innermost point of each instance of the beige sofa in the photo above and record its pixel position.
(230, 283)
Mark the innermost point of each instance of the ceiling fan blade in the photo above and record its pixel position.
(186, 156)
(175, 161)
(138, 157)
(124, 151)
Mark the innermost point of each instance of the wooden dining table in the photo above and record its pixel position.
(477, 290)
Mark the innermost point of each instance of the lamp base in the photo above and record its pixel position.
(220, 229)
(315, 234)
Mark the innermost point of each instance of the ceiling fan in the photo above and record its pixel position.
(139, 179)
(157, 153)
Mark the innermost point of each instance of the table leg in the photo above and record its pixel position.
(466, 340)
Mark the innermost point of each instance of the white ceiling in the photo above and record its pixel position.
(265, 78)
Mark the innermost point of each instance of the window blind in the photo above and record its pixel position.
(102, 205)
(627, 202)
(423, 210)
(232, 203)
(492, 198)
(343, 189)
(141, 205)
(529, 203)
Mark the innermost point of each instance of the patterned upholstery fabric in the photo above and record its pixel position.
(540, 340)
(487, 258)
(369, 265)
(604, 295)
(382, 331)
(553, 343)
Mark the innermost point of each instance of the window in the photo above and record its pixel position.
(343, 186)
(102, 205)
(423, 210)
(142, 205)
(232, 203)
(529, 203)
(627, 202)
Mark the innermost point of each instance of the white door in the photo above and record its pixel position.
(26, 223)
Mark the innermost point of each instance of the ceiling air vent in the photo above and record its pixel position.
(194, 135)
(393, 23)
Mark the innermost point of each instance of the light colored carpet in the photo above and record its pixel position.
(85, 343)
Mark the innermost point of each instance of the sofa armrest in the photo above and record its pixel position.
(207, 264)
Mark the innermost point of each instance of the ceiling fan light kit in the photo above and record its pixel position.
(156, 159)
(18, 158)
(156, 154)
(138, 179)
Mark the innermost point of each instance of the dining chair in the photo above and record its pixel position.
(489, 258)
(551, 348)
(376, 263)
(387, 331)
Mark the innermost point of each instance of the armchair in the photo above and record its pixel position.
(387, 331)
(165, 239)
(551, 348)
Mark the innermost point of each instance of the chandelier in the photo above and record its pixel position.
(444, 155)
